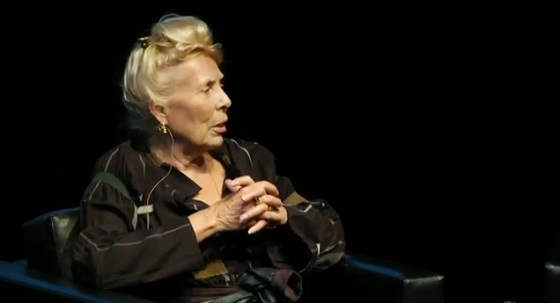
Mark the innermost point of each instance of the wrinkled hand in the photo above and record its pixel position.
(262, 207)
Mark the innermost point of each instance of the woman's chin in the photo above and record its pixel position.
(215, 142)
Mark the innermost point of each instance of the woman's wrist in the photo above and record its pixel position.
(205, 224)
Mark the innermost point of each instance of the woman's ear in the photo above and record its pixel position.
(159, 112)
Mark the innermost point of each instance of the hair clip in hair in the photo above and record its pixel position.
(144, 42)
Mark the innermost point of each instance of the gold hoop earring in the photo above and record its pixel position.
(162, 128)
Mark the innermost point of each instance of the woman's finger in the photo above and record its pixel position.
(232, 188)
(253, 212)
(258, 189)
(240, 182)
(258, 226)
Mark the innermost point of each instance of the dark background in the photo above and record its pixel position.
(429, 127)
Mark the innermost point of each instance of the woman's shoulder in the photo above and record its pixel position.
(118, 157)
(246, 147)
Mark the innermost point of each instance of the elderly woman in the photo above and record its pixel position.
(179, 212)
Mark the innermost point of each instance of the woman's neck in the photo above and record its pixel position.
(179, 154)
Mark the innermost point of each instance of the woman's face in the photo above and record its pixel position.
(197, 108)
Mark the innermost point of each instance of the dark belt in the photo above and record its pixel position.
(226, 279)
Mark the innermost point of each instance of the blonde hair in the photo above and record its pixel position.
(172, 40)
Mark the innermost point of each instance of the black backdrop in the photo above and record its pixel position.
(429, 127)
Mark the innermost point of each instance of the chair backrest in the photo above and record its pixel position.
(48, 241)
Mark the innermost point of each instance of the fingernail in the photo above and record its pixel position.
(243, 217)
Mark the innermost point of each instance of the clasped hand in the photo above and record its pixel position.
(250, 204)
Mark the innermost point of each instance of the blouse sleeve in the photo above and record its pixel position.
(317, 225)
(314, 238)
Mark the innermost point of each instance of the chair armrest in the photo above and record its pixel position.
(362, 279)
(366, 279)
(27, 285)
(552, 274)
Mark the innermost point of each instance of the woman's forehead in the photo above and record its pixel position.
(197, 71)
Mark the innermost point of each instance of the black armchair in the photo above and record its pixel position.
(44, 274)
(552, 273)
